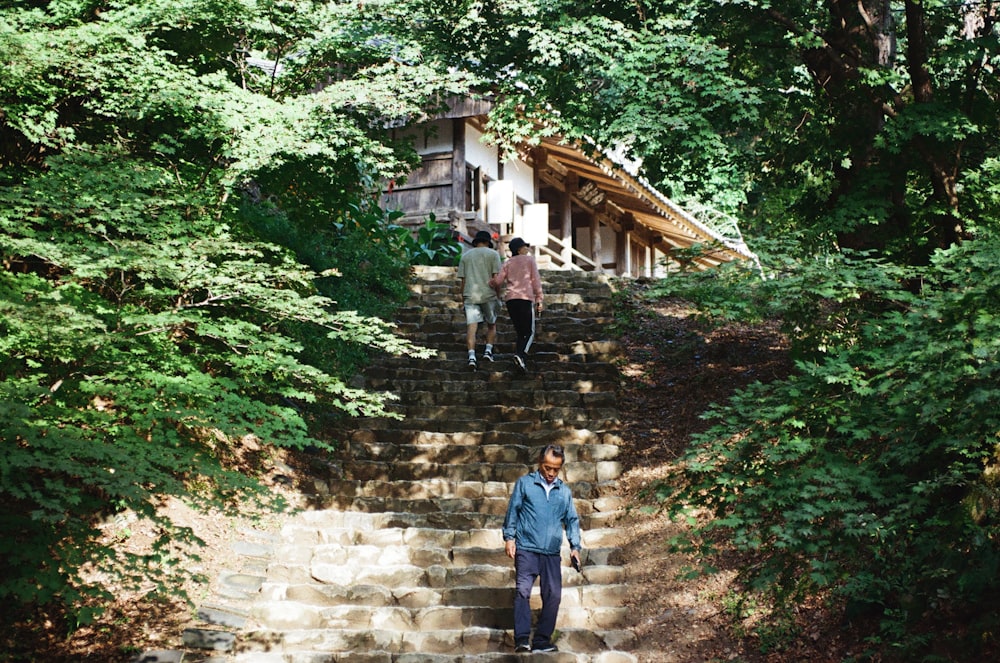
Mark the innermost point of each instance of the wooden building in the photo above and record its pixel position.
(578, 211)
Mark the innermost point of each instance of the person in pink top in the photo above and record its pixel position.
(523, 295)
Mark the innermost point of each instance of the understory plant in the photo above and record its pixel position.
(143, 335)
(871, 473)
(434, 243)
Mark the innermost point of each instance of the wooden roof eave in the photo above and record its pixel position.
(655, 212)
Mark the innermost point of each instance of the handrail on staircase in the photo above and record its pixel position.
(463, 233)
(567, 247)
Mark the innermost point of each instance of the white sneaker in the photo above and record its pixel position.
(472, 363)
(488, 355)
(519, 362)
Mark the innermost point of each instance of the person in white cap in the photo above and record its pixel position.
(481, 300)
(523, 294)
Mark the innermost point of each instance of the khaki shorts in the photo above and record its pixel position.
(483, 312)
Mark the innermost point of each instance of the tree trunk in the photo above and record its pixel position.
(942, 160)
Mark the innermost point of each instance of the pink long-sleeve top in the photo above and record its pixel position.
(519, 276)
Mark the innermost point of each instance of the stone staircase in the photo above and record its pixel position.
(402, 559)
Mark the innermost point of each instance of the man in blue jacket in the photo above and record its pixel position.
(540, 507)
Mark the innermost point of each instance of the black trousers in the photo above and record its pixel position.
(522, 315)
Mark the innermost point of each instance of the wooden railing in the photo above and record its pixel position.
(567, 257)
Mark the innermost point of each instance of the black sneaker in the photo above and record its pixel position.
(472, 363)
(519, 362)
(544, 648)
(488, 355)
(522, 648)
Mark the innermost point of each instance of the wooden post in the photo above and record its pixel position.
(595, 243)
(621, 251)
(566, 227)
(566, 218)
(458, 201)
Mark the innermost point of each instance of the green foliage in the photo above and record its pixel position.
(133, 323)
(433, 244)
(190, 257)
(817, 312)
(621, 75)
(752, 617)
(872, 470)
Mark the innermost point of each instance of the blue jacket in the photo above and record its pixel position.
(535, 521)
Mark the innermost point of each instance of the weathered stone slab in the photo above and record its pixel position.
(424, 536)
(604, 595)
(287, 615)
(614, 657)
(429, 556)
(199, 638)
(601, 538)
(221, 617)
(481, 576)
(493, 556)
(251, 549)
(239, 585)
(604, 575)
(382, 537)
(417, 597)
(159, 656)
(480, 538)
(608, 470)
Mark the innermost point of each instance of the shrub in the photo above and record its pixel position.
(872, 471)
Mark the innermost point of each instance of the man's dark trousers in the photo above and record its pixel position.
(548, 568)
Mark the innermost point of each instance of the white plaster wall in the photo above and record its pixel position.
(659, 271)
(608, 240)
(523, 177)
(478, 154)
(431, 138)
(581, 240)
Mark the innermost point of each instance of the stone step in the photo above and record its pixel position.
(455, 512)
(610, 656)
(499, 377)
(586, 326)
(283, 614)
(590, 497)
(501, 385)
(431, 517)
(495, 596)
(470, 640)
(571, 422)
(574, 305)
(548, 339)
(507, 397)
(478, 479)
(569, 364)
(366, 521)
(567, 437)
(550, 285)
(436, 273)
(490, 413)
(356, 529)
(343, 561)
(435, 452)
(593, 307)
(552, 280)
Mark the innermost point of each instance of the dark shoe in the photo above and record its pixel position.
(488, 355)
(519, 362)
(544, 648)
(522, 648)
(472, 363)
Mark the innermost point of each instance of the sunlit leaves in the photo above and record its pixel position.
(147, 320)
(880, 450)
